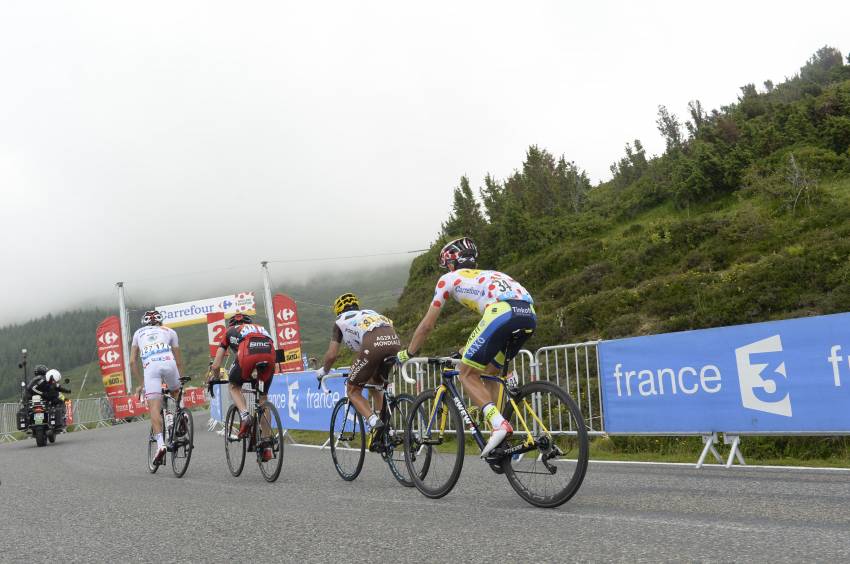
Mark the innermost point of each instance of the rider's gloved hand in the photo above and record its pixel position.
(320, 373)
(402, 356)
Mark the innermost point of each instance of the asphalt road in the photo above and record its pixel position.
(89, 498)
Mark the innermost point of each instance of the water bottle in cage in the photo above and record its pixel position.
(251, 402)
(169, 421)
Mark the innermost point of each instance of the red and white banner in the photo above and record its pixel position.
(110, 356)
(190, 313)
(132, 406)
(193, 397)
(128, 406)
(288, 332)
(216, 328)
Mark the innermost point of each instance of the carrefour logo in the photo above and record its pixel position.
(289, 333)
(225, 305)
(285, 315)
(109, 357)
(763, 384)
(108, 338)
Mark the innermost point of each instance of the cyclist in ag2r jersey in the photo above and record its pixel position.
(372, 336)
(157, 348)
(253, 346)
(506, 309)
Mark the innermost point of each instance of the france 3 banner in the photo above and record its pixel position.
(288, 332)
(191, 313)
(302, 404)
(110, 355)
(789, 376)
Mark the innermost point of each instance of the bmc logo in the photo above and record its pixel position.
(285, 315)
(763, 384)
(109, 357)
(107, 338)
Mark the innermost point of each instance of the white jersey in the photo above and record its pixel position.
(155, 344)
(476, 289)
(350, 326)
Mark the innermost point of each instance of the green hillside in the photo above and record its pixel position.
(741, 219)
(67, 341)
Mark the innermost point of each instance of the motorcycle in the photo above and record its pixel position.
(41, 420)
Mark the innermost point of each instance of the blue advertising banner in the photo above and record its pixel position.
(298, 398)
(789, 376)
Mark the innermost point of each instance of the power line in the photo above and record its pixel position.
(276, 261)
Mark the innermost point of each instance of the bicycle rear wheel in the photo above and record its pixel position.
(347, 437)
(183, 439)
(553, 472)
(394, 440)
(433, 444)
(234, 447)
(152, 450)
(269, 436)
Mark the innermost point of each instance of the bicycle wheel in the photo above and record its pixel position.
(347, 437)
(152, 450)
(394, 440)
(183, 439)
(552, 473)
(433, 444)
(234, 447)
(269, 436)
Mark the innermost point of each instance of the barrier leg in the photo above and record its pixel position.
(735, 441)
(710, 441)
(325, 444)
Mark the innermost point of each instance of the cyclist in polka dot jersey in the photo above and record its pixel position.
(507, 311)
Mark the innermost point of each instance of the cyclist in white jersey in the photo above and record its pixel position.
(507, 313)
(372, 336)
(157, 349)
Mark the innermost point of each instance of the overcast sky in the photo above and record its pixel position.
(158, 138)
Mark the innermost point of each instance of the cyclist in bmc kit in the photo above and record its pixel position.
(157, 348)
(373, 338)
(506, 309)
(252, 345)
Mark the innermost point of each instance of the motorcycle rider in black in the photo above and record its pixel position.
(46, 384)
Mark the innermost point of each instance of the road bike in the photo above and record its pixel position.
(265, 438)
(349, 440)
(545, 459)
(178, 431)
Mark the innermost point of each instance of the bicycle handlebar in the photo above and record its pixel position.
(433, 360)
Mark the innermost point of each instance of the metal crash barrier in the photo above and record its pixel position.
(91, 413)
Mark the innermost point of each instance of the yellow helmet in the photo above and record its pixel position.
(346, 301)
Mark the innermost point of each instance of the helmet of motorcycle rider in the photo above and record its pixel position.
(53, 375)
(40, 370)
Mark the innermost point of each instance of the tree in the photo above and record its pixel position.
(670, 129)
(466, 218)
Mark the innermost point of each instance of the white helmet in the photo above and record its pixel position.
(53, 375)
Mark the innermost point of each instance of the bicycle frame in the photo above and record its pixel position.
(448, 386)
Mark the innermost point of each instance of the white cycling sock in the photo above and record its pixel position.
(243, 414)
(491, 412)
(373, 419)
(159, 442)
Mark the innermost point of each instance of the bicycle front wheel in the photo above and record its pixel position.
(234, 447)
(433, 443)
(347, 437)
(269, 441)
(183, 439)
(546, 416)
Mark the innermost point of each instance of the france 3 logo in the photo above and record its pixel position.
(763, 378)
